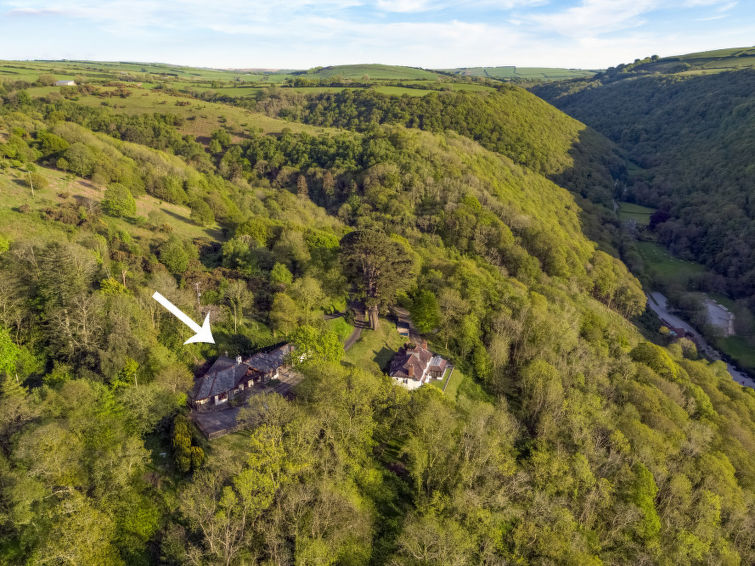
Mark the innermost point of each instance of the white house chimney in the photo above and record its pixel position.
(238, 360)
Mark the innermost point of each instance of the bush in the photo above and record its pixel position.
(201, 213)
(37, 181)
(119, 201)
(174, 256)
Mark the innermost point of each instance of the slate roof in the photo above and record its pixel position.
(268, 362)
(222, 376)
(410, 362)
(226, 373)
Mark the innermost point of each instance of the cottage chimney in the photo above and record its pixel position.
(424, 344)
(411, 370)
(238, 360)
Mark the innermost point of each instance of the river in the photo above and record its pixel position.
(658, 303)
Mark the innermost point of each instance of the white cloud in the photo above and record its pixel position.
(406, 6)
(303, 33)
(594, 17)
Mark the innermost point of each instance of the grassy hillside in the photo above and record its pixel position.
(25, 213)
(373, 72)
(521, 73)
(704, 62)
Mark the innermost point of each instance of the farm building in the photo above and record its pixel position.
(65, 83)
(227, 377)
(414, 365)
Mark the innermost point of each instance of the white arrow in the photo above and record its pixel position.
(203, 333)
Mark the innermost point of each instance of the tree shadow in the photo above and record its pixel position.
(213, 233)
(383, 357)
(597, 175)
(177, 216)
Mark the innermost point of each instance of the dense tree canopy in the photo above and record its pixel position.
(565, 436)
(691, 134)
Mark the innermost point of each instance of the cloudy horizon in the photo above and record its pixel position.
(587, 34)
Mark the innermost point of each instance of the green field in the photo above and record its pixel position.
(640, 214)
(740, 349)
(522, 73)
(111, 69)
(664, 267)
(400, 91)
(373, 71)
(701, 63)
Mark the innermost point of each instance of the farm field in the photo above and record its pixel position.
(640, 214)
(740, 349)
(400, 91)
(373, 71)
(523, 73)
(664, 267)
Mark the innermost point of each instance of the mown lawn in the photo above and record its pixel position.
(375, 348)
(453, 383)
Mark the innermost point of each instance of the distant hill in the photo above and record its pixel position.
(702, 62)
(372, 72)
(520, 73)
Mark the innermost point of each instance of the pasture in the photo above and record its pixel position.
(522, 73)
(373, 71)
(664, 267)
(201, 117)
(640, 214)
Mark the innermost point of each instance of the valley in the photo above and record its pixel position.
(450, 322)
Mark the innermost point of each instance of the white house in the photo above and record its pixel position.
(65, 83)
(414, 365)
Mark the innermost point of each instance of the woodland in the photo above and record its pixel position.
(578, 435)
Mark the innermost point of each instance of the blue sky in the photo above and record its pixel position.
(426, 33)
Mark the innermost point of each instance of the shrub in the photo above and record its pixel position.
(38, 181)
(119, 201)
(174, 256)
(201, 213)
